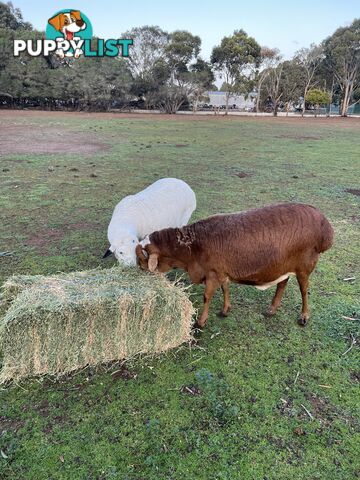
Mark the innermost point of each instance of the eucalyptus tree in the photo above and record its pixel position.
(269, 58)
(342, 52)
(146, 62)
(11, 17)
(236, 57)
(309, 59)
(181, 54)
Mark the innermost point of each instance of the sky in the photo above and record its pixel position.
(287, 25)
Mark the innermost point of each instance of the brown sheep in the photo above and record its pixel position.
(260, 247)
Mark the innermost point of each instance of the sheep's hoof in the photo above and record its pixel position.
(197, 326)
(270, 312)
(303, 320)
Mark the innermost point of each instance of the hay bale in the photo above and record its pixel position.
(16, 284)
(60, 323)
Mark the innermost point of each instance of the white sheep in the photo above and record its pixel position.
(168, 202)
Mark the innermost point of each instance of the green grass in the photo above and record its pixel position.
(250, 376)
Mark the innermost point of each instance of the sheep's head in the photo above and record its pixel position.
(149, 258)
(124, 249)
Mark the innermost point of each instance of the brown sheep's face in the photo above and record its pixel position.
(142, 257)
(150, 259)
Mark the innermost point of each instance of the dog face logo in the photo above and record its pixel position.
(68, 23)
(69, 28)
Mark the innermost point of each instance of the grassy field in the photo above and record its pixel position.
(254, 398)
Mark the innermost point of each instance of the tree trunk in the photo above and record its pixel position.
(227, 97)
(331, 98)
(343, 103)
(346, 99)
(258, 98)
(304, 104)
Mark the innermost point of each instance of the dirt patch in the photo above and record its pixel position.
(181, 145)
(243, 174)
(321, 408)
(326, 412)
(43, 408)
(348, 122)
(31, 139)
(353, 191)
(298, 431)
(286, 407)
(10, 424)
(124, 374)
(299, 138)
(43, 239)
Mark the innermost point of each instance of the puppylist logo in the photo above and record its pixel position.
(69, 34)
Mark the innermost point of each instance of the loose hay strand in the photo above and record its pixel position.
(61, 323)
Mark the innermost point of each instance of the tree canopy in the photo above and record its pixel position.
(342, 52)
(11, 17)
(165, 71)
(235, 59)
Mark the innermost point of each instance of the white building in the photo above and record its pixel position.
(218, 99)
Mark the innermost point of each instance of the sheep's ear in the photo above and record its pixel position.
(141, 253)
(107, 253)
(153, 261)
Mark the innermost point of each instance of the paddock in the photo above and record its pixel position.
(253, 391)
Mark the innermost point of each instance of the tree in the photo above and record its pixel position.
(309, 59)
(317, 97)
(342, 51)
(146, 62)
(22, 77)
(282, 86)
(11, 17)
(290, 88)
(232, 58)
(181, 51)
(202, 78)
(182, 48)
(160, 64)
(269, 57)
(98, 82)
(272, 85)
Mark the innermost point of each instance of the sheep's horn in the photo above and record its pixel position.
(107, 253)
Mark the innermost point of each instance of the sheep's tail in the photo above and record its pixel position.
(327, 236)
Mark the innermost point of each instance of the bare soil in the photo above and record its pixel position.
(43, 239)
(243, 174)
(23, 138)
(341, 121)
(18, 138)
(299, 138)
